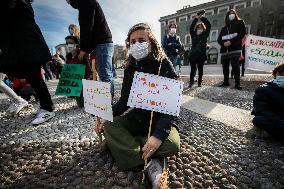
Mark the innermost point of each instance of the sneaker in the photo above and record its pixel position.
(42, 117)
(15, 108)
(154, 171)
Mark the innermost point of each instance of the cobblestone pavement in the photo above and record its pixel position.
(64, 152)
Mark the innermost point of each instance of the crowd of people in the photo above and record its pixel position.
(129, 145)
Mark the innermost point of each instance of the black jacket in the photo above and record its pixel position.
(199, 42)
(236, 26)
(161, 123)
(94, 29)
(268, 108)
(21, 37)
(174, 48)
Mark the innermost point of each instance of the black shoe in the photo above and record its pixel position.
(238, 87)
(224, 85)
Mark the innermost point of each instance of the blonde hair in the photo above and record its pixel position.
(76, 30)
(155, 46)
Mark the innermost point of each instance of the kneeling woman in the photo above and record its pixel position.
(126, 137)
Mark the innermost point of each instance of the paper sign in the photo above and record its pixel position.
(230, 36)
(264, 53)
(97, 99)
(155, 93)
(70, 82)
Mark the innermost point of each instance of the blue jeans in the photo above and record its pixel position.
(104, 54)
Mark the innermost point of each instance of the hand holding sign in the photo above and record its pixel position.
(97, 99)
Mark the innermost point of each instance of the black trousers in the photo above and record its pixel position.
(33, 76)
(194, 66)
(235, 69)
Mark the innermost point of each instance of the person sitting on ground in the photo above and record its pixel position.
(73, 51)
(24, 89)
(268, 105)
(17, 102)
(126, 136)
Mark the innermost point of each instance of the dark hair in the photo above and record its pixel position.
(172, 24)
(278, 70)
(74, 38)
(227, 20)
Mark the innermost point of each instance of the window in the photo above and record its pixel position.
(192, 16)
(209, 12)
(282, 2)
(183, 19)
(163, 23)
(215, 23)
(248, 27)
(270, 15)
(268, 30)
(213, 35)
(187, 39)
(223, 9)
(172, 21)
(240, 6)
(256, 3)
(281, 16)
(247, 17)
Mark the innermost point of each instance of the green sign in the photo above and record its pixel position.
(70, 82)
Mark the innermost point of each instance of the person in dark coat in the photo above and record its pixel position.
(199, 31)
(230, 40)
(268, 105)
(126, 136)
(172, 44)
(24, 51)
(95, 37)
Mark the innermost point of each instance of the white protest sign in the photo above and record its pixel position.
(155, 93)
(97, 99)
(264, 53)
(230, 36)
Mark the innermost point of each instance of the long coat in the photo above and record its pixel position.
(22, 45)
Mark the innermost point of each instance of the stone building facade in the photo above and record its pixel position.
(262, 18)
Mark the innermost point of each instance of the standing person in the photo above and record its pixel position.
(199, 31)
(230, 40)
(172, 44)
(18, 103)
(24, 51)
(268, 105)
(95, 36)
(74, 30)
(59, 61)
(126, 136)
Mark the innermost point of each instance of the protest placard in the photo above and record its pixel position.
(155, 93)
(264, 53)
(97, 99)
(70, 82)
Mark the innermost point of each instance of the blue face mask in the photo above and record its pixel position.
(279, 81)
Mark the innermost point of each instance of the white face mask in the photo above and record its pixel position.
(173, 31)
(139, 50)
(71, 48)
(232, 17)
(199, 31)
